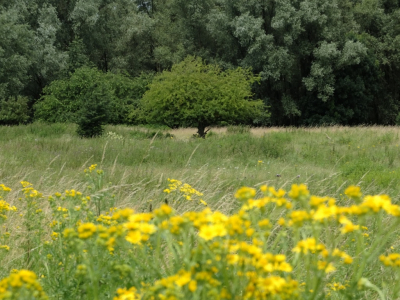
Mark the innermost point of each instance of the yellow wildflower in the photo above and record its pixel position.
(193, 286)
(298, 191)
(164, 210)
(125, 294)
(208, 232)
(245, 193)
(327, 267)
(353, 191)
(86, 230)
(392, 260)
(307, 245)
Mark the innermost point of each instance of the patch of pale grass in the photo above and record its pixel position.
(186, 133)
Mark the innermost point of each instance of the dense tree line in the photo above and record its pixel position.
(319, 61)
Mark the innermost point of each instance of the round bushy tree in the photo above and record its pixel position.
(196, 94)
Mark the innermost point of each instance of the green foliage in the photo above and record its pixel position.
(315, 64)
(94, 112)
(63, 99)
(49, 61)
(200, 95)
(132, 90)
(14, 111)
(77, 56)
(356, 99)
(15, 53)
(320, 61)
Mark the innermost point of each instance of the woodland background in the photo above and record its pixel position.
(320, 61)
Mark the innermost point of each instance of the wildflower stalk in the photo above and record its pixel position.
(309, 275)
(159, 254)
(380, 243)
(93, 287)
(397, 286)
(144, 266)
(316, 288)
(359, 263)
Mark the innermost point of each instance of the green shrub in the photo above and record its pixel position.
(127, 94)
(94, 112)
(63, 99)
(14, 110)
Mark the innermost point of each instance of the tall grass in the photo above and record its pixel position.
(326, 159)
(137, 162)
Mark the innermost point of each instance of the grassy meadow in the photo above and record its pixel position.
(136, 163)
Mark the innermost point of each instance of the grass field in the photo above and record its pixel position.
(138, 161)
(326, 159)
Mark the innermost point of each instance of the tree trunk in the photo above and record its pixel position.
(201, 131)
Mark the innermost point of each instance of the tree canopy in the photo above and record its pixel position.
(319, 61)
(196, 94)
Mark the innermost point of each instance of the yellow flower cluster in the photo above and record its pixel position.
(184, 189)
(106, 220)
(86, 230)
(183, 281)
(210, 224)
(336, 286)
(122, 214)
(256, 265)
(29, 191)
(310, 245)
(272, 287)
(138, 228)
(258, 287)
(91, 168)
(298, 191)
(125, 294)
(4, 206)
(245, 193)
(21, 284)
(277, 245)
(180, 279)
(72, 193)
(392, 260)
(4, 188)
(252, 256)
(322, 209)
(5, 247)
(105, 236)
(353, 191)
(163, 211)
